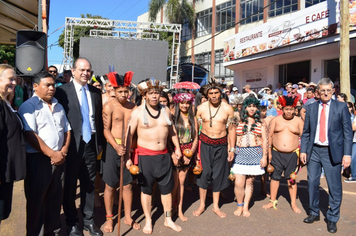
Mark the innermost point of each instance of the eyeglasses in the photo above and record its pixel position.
(52, 71)
(326, 91)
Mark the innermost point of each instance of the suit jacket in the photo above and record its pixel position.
(339, 130)
(67, 97)
(12, 148)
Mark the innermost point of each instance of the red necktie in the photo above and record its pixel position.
(322, 131)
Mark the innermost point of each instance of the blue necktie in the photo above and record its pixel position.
(84, 109)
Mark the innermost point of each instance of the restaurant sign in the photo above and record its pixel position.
(320, 20)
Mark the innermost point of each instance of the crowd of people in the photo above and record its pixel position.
(84, 126)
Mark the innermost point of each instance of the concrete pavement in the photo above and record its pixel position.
(282, 221)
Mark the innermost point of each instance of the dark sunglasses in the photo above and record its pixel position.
(52, 71)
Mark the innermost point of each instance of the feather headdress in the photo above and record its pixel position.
(288, 101)
(211, 85)
(120, 80)
(148, 84)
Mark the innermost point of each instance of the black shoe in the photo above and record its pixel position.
(75, 230)
(332, 227)
(93, 230)
(311, 218)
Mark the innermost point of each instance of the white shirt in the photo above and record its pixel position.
(301, 92)
(78, 89)
(49, 125)
(316, 139)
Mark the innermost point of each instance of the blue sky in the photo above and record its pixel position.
(111, 9)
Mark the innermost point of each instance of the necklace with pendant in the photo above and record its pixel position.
(211, 117)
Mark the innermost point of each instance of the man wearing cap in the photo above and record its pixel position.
(235, 94)
(116, 113)
(301, 88)
(294, 92)
(153, 125)
(248, 91)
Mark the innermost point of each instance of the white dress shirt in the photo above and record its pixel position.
(316, 139)
(49, 125)
(78, 89)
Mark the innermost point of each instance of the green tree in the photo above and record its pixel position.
(177, 11)
(79, 31)
(7, 52)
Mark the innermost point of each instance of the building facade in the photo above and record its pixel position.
(238, 40)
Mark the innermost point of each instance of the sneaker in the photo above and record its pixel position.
(350, 180)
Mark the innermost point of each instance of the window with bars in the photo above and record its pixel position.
(309, 3)
(250, 9)
(203, 59)
(282, 7)
(204, 19)
(225, 15)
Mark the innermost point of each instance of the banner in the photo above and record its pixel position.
(320, 20)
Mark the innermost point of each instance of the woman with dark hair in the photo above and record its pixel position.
(351, 110)
(250, 153)
(12, 149)
(135, 96)
(199, 99)
(186, 126)
(342, 97)
(164, 99)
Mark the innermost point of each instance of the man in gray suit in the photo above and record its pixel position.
(326, 142)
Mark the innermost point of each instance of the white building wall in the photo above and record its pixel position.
(317, 57)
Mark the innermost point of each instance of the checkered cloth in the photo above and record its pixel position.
(247, 161)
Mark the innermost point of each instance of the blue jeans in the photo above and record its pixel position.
(353, 161)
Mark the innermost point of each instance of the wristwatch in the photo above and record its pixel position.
(232, 149)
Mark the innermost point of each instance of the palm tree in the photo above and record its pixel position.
(178, 11)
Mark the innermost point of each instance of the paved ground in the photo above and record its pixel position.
(262, 222)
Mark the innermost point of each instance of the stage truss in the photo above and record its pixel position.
(131, 30)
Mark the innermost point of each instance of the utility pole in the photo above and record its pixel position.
(344, 48)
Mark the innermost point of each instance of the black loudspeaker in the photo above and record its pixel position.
(31, 47)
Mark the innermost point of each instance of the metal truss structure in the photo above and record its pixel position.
(124, 35)
(132, 28)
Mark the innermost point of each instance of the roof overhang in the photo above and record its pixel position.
(19, 14)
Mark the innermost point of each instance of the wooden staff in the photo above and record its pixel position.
(121, 179)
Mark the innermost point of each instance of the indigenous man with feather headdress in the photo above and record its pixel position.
(284, 134)
(116, 113)
(216, 146)
(153, 124)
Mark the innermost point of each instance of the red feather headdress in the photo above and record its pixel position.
(118, 80)
(288, 101)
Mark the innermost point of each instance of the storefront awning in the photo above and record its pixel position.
(16, 15)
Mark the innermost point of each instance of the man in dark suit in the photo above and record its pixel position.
(83, 106)
(326, 142)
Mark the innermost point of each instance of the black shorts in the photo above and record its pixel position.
(5, 199)
(111, 168)
(213, 157)
(156, 168)
(281, 161)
